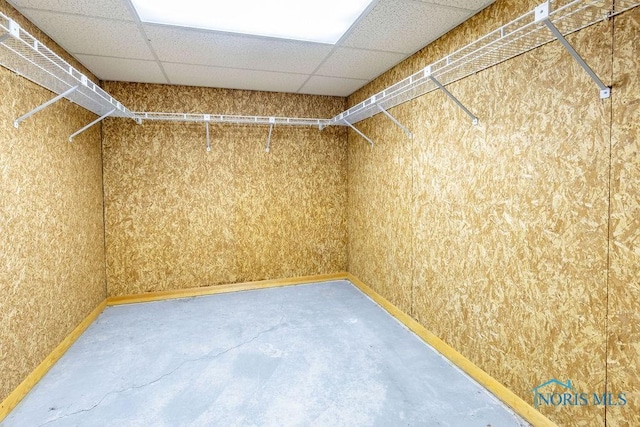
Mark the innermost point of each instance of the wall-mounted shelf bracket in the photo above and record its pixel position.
(272, 122)
(427, 72)
(542, 14)
(13, 30)
(98, 120)
(207, 118)
(16, 123)
(394, 120)
(359, 133)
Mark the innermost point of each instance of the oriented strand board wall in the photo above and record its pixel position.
(623, 367)
(178, 216)
(51, 224)
(495, 237)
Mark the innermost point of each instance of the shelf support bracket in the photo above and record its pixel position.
(542, 15)
(359, 133)
(473, 117)
(207, 117)
(98, 120)
(394, 120)
(272, 121)
(69, 91)
(14, 31)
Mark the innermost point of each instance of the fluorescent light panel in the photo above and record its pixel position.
(321, 21)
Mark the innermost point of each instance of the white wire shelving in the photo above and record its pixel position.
(28, 57)
(552, 20)
(521, 35)
(231, 119)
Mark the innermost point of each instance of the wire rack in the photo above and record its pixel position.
(508, 41)
(231, 119)
(28, 57)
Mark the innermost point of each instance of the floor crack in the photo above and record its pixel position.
(184, 362)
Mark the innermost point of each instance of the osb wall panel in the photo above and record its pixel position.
(624, 283)
(178, 216)
(51, 230)
(508, 251)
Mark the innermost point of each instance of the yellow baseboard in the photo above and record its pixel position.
(521, 407)
(21, 391)
(219, 289)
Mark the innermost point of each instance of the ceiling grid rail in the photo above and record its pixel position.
(552, 20)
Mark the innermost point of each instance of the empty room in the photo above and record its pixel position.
(320, 213)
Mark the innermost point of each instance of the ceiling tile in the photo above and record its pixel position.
(202, 47)
(332, 86)
(233, 78)
(92, 36)
(473, 5)
(112, 9)
(125, 70)
(401, 26)
(358, 64)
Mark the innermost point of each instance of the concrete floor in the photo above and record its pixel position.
(321, 354)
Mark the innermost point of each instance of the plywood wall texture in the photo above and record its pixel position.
(624, 277)
(180, 217)
(498, 237)
(51, 229)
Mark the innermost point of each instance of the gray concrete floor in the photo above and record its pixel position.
(320, 354)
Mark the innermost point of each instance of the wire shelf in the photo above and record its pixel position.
(28, 57)
(231, 119)
(513, 39)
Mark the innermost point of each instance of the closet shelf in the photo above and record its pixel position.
(26, 56)
(231, 119)
(515, 38)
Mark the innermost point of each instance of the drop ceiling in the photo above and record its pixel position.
(109, 39)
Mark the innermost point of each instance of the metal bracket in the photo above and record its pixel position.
(14, 31)
(394, 120)
(207, 118)
(272, 121)
(542, 14)
(427, 73)
(99, 119)
(360, 133)
(17, 121)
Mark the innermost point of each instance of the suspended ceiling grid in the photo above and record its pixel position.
(109, 39)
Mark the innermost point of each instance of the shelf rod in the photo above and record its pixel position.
(99, 119)
(208, 139)
(69, 91)
(360, 133)
(272, 121)
(474, 119)
(394, 120)
(542, 15)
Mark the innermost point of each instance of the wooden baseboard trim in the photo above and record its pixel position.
(36, 375)
(219, 289)
(521, 407)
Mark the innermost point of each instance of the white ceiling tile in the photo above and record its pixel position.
(112, 9)
(200, 47)
(473, 5)
(358, 64)
(232, 78)
(399, 26)
(93, 36)
(331, 86)
(125, 70)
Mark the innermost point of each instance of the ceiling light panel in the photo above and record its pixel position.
(321, 21)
